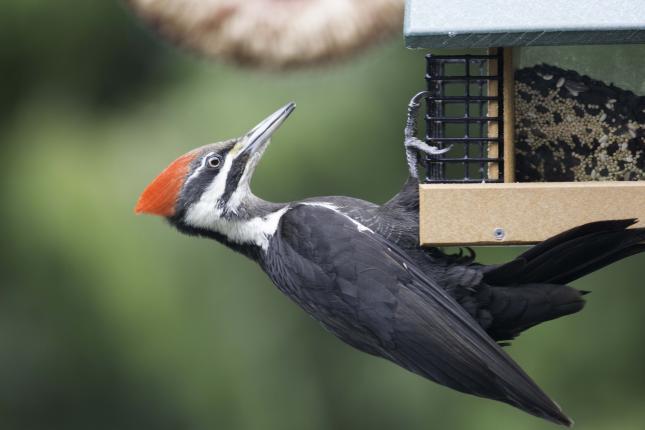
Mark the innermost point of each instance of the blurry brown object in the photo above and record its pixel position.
(275, 34)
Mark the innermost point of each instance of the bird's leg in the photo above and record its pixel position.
(413, 145)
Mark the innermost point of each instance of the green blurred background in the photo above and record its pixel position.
(113, 321)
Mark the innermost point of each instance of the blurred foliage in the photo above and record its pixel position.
(111, 321)
(81, 50)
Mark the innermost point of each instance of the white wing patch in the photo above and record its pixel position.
(361, 228)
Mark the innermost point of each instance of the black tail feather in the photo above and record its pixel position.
(515, 309)
(571, 254)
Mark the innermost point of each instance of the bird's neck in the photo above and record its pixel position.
(408, 197)
(248, 229)
(253, 207)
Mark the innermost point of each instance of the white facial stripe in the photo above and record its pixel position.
(199, 169)
(205, 211)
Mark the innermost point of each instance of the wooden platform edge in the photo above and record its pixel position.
(521, 213)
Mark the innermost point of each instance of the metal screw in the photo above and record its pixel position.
(499, 233)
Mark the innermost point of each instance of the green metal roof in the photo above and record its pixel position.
(494, 23)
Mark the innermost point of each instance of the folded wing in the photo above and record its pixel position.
(371, 295)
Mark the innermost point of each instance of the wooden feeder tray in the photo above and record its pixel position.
(521, 213)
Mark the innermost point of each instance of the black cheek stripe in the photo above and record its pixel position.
(234, 176)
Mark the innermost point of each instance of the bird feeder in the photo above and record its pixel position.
(537, 145)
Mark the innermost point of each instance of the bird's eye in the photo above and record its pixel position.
(214, 162)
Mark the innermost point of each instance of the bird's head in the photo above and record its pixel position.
(211, 184)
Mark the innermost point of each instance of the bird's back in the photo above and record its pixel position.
(510, 298)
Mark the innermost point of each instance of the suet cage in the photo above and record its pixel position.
(537, 145)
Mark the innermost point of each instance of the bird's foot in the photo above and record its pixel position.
(411, 120)
(414, 145)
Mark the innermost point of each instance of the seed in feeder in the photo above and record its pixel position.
(575, 88)
(632, 133)
(547, 77)
(579, 136)
(560, 82)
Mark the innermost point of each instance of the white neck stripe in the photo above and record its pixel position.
(254, 231)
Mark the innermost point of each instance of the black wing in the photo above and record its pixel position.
(369, 293)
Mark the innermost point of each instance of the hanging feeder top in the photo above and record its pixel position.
(498, 23)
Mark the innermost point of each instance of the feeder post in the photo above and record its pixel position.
(493, 112)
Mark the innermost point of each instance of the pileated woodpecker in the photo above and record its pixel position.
(357, 268)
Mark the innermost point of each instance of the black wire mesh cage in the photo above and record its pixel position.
(465, 112)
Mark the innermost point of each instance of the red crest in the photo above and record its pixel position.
(160, 196)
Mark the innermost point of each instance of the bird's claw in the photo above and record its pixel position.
(415, 101)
